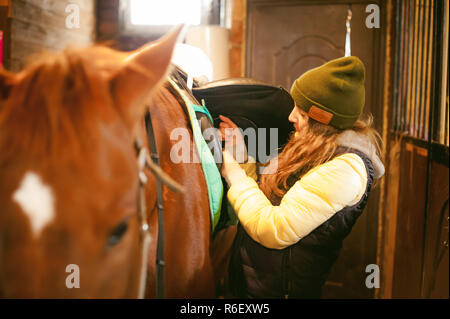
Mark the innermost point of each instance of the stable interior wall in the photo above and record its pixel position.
(39, 25)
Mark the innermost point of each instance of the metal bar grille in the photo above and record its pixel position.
(415, 53)
(442, 133)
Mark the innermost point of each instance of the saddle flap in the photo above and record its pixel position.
(250, 104)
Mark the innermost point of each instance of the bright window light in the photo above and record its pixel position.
(165, 12)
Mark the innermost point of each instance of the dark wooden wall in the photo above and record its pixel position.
(410, 221)
(435, 274)
(39, 25)
(418, 245)
(414, 237)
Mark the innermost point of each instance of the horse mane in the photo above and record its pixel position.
(48, 101)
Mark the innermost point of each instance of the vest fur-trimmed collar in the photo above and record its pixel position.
(360, 142)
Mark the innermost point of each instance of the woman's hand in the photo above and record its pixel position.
(234, 141)
(231, 170)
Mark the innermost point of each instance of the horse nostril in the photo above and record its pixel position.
(117, 234)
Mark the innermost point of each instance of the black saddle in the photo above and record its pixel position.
(250, 104)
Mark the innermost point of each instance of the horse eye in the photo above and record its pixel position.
(117, 234)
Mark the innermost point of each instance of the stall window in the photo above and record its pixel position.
(157, 17)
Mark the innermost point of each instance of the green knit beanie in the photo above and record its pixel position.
(332, 93)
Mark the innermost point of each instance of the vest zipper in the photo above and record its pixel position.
(287, 275)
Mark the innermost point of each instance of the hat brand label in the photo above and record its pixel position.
(320, 115)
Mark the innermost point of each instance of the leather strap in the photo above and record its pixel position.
(159, 202)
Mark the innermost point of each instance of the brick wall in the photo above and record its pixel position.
(38, 25)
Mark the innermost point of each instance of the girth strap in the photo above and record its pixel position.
(159, 202)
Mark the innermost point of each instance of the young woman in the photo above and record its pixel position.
(293, 221)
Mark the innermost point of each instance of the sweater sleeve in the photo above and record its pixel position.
(250, 168)
(313, 199)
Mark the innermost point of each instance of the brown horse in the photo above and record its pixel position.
(69, 178)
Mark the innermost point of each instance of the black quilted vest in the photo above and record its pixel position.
(300, 270)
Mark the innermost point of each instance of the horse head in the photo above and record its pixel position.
(69, 173)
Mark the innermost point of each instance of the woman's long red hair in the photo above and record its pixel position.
(313, 146)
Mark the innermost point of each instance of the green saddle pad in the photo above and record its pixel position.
(211, 172)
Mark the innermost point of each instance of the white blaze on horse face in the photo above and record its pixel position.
(36, 200)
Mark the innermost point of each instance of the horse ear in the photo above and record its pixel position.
(143, 71)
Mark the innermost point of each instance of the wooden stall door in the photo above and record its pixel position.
(287, 38)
